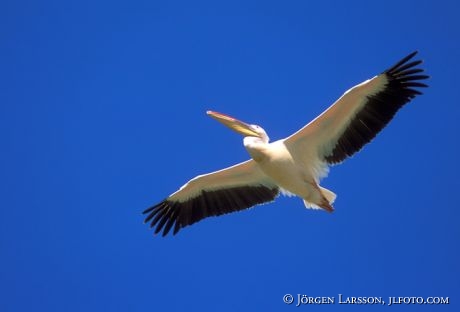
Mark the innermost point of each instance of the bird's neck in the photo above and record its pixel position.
(256, 147)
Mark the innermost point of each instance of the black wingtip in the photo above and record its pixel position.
(403, 79)
(403, 61)
(148, 210)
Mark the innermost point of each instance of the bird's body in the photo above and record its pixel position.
(293, 178)
(296, 164)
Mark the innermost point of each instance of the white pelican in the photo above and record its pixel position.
(296, 164)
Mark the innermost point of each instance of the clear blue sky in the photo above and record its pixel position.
(102, 114)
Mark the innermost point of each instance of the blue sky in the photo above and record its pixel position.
(103, 114)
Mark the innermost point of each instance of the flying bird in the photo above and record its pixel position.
(296, 164)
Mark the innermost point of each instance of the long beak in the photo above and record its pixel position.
(234, 124)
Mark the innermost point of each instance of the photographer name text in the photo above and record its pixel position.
(302, 299)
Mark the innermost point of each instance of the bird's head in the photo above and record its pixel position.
(245, 129)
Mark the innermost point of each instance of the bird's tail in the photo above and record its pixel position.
(328, 198)
(329, 195)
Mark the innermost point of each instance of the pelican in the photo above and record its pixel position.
(294, 165)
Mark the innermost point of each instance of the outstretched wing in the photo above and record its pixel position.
(360, 113)
(232, 189)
